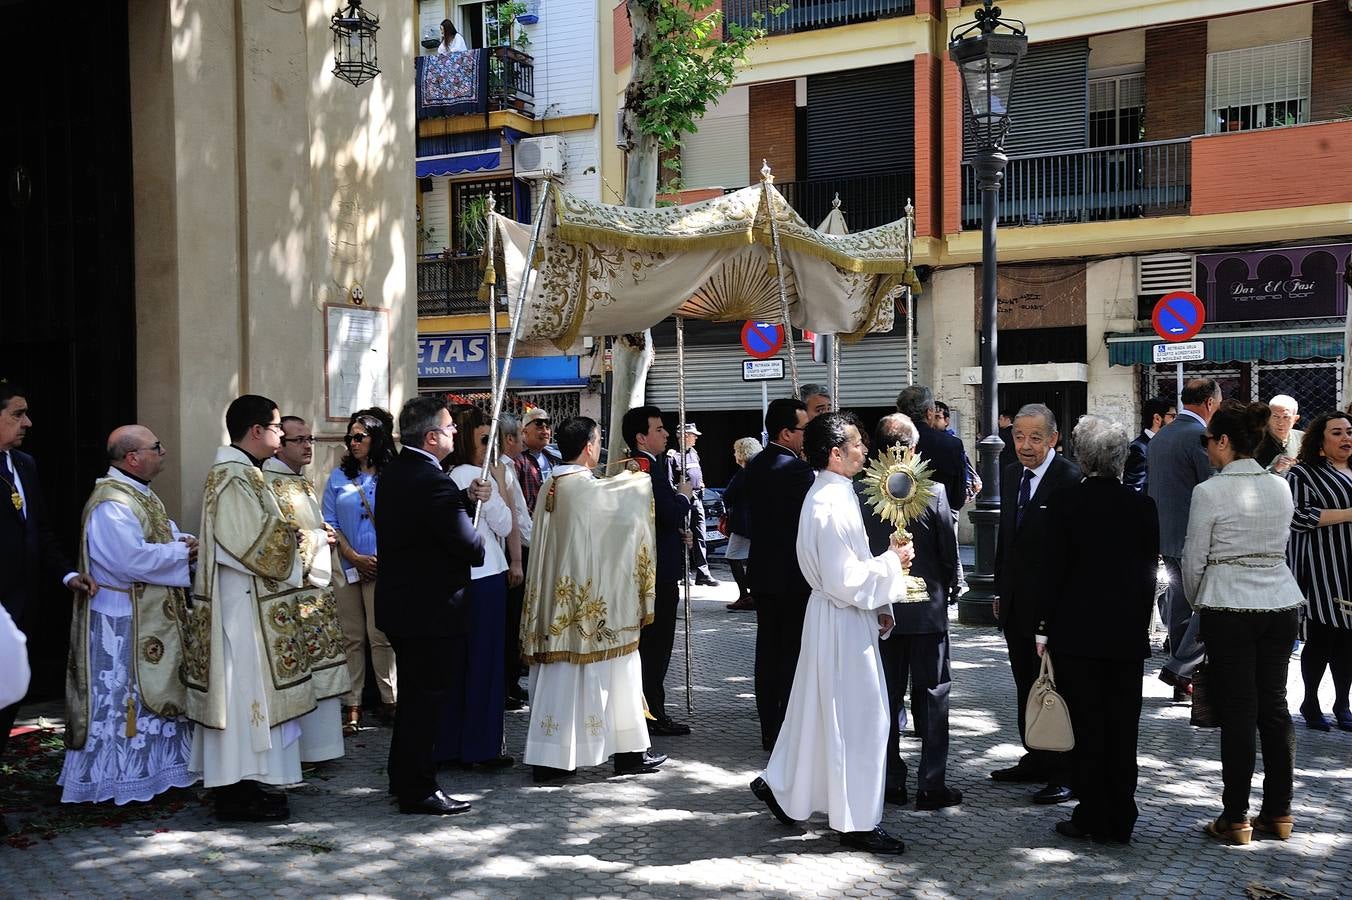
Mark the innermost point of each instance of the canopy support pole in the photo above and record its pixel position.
(768, 179)
(910, 296)
(522, 297)
(685, 551)
(835, 372)
(490, 283)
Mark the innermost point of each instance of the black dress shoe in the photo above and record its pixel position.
(638, 763)
(545, 774)
(498, 762)
(896, 795)
(1314, 719)
(767, 796)
(1021, 774)
(1053, 793)
(512, 704)
(435, 804)
(665, 727)
(938, 799)
(875, 841)
(1071, 830)
(1344, 719)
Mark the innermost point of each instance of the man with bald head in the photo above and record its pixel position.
(125, 736)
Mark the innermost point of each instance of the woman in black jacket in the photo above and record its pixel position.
(739, 521)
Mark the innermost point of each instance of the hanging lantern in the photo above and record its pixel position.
(987, 60)
(354, 44)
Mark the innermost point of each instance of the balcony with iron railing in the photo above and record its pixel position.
(449, 285)
(866, 201)
(789, 16)
(1101, 184)
(475, 82)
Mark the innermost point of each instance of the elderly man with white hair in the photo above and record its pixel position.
(1281, 444)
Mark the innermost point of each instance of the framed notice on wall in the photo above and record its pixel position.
(357, 360)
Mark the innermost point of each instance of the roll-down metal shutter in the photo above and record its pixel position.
(1049, 111)
(861, 122)
(872, 373)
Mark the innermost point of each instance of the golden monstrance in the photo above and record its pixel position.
(899, 488)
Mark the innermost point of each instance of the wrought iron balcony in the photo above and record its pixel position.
(1130, 181)
(449, 286)
(866, 201)
(805, 15)
(475, 82)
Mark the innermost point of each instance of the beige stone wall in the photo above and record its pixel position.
(264, 188)
(946, 339)
(1111, 306)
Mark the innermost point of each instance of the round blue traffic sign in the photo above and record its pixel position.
(1178, 316)
(762, 340)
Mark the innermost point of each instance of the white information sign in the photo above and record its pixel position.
(358, 359)
(762, 369)
(1182, 351)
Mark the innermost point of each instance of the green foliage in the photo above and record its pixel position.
(502, 28)
(472, 223)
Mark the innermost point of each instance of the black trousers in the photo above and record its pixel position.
(1331, 648)
(654, 646)
(924, 659)
(1104, 699)
(511, 659)
(427, 674)
(779, 634)
(1247, 658)
(699, 549)
(7, 717)
(1025, 663)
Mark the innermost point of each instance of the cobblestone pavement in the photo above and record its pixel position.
(694, 830)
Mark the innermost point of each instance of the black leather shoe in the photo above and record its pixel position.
(767, 796)
(638, 763)
(1315, 719)
(1021, 774)
(1182, 686)
(1344, 719)
(545, 774)
(943, 797)
(896, 795)
(1053, 793)
(1071, 830)
(511, 704)
(875, 841)
(498, 762)
(435, 804)
(665, 727)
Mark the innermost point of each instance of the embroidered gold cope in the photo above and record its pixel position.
(243, 517)
(160, 619)
(591, 582)
(316, 606)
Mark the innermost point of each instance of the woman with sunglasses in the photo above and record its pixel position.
(1235, 575)
(471, 726)
(350, 508)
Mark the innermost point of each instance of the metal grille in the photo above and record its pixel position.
(1316, 385)
(1258, 87)
(560, 405)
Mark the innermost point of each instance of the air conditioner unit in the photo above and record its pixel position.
(539, 157)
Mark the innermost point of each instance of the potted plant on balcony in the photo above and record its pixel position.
(471, 225)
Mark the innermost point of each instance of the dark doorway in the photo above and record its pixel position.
(67, 308)
(1068, 400)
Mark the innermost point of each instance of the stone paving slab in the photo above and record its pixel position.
(695, 830)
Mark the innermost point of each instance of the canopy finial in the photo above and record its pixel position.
(492, 203)
(910, 208)
(835, 203)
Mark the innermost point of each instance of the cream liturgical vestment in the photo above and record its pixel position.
(321, 731)
(590, 589)
(830, 755)
(249, 667)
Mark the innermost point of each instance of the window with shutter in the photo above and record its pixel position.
(1116, 110)
(1258, 87)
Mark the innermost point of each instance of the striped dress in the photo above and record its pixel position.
(1321, 557)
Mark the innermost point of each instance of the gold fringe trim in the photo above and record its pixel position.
(840, 260)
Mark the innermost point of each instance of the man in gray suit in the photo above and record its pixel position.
(1178, 463)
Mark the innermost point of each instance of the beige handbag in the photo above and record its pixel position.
(1046, 719)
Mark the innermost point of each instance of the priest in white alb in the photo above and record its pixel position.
(321, 731)
(126, 738)
(590, 587)
(246, 663)
(830, 756)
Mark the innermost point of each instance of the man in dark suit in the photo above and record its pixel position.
(1178, 463)
(29, 556)
(1155, 414)
(646, 436)
(1006, 431)
(944, 452)
(1020, 577)
(427, 545)
(776, 482)
(918, 645)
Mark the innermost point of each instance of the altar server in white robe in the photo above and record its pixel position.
(246, 664)
(830, 756)
(590, 588)
(126, 737)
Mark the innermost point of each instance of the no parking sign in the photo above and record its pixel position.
(762, 340)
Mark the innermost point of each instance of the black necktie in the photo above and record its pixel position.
(11, 483)
(1025, 493)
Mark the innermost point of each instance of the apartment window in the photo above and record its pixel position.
(1258, 87)
(1116, 110)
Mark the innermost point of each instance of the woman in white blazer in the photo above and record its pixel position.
(1235, 575)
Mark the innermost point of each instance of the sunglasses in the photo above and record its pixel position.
(355, 438)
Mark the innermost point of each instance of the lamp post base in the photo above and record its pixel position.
(977, 606)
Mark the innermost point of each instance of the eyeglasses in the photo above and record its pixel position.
(158, 447)
(352, 438)
(275, 426)
(1205, 440)
(307, 440)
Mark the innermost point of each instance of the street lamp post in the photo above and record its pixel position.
(987, 58)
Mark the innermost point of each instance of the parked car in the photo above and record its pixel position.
(712, 498)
